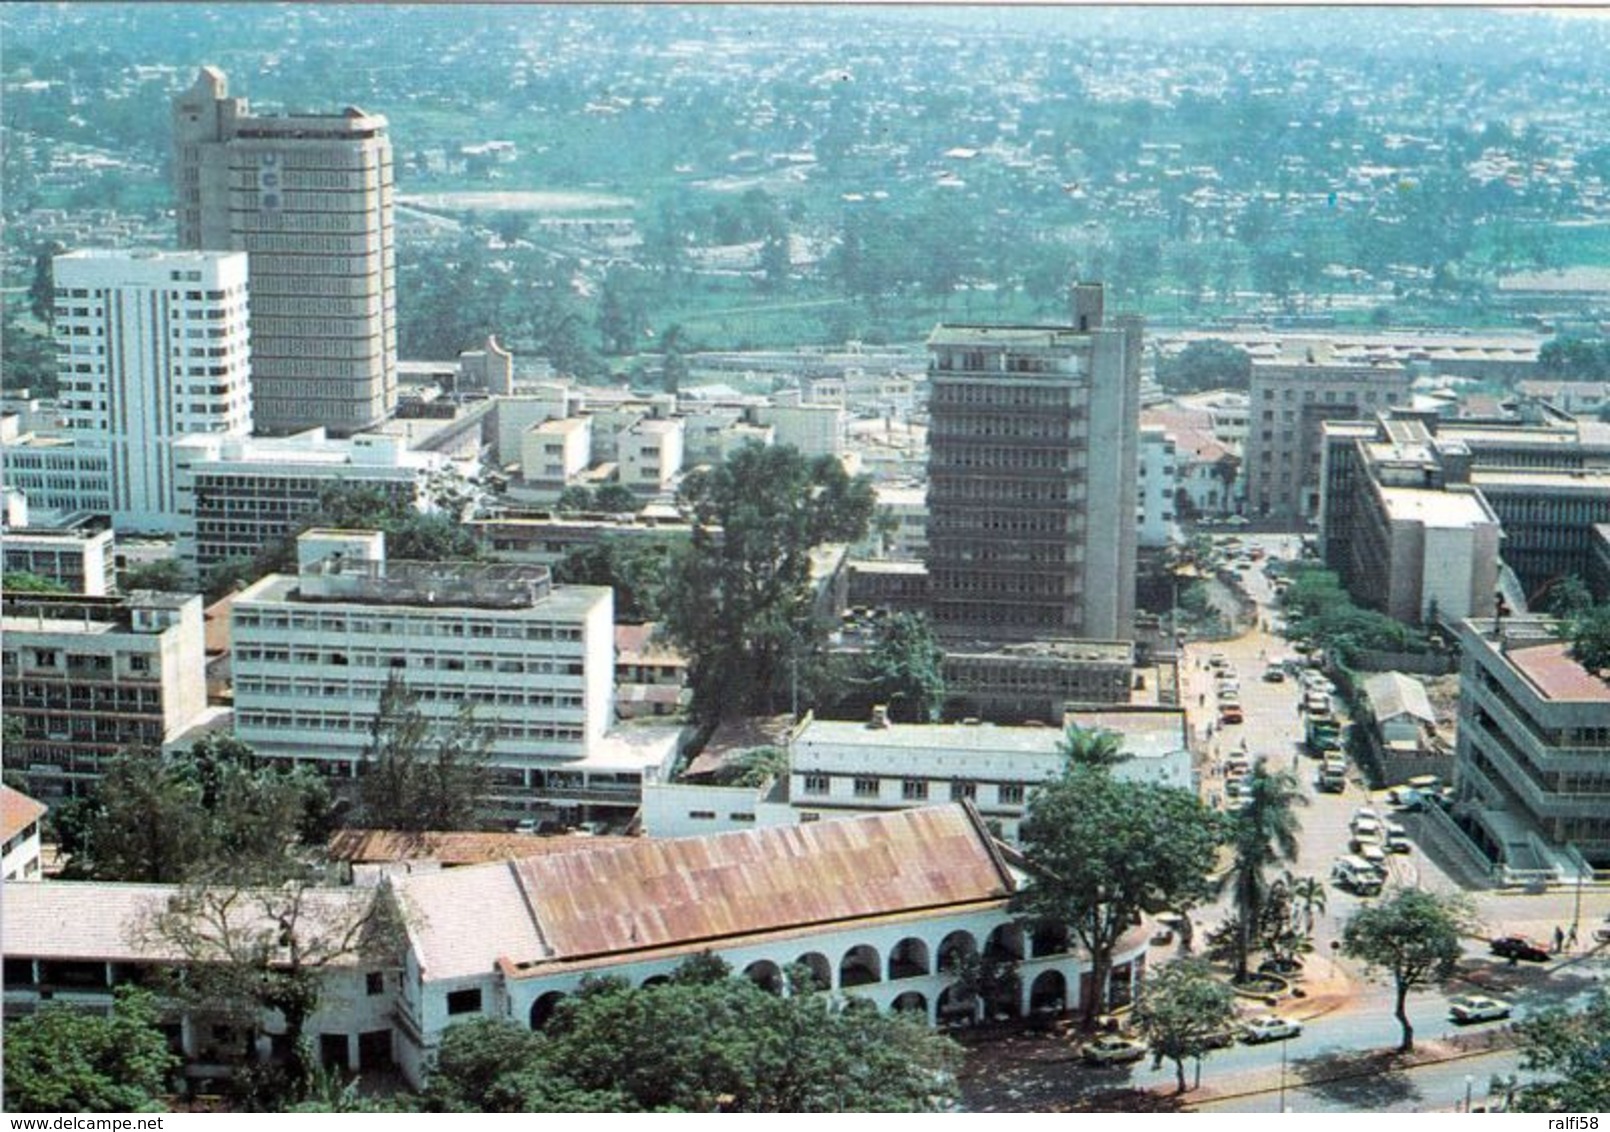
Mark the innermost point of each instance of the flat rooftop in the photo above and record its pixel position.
(1435, 508)
(1556, 675)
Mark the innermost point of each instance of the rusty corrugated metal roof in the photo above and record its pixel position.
(654, 893)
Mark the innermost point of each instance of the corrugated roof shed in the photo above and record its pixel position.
(702, 890)
(1392, 694)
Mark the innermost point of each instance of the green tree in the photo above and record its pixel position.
(64, 1059)
(673, 364)
(411, 535)
(1568, 597)
(1589, 634)
(166, 576)
(1208, 364)
(904, 669)
(1101, 852)
(1183, 1011)
(738, 1048)
(634, 568)
(1092, 747)
(420, 777)
(739, 601)
(616, 499)
(21, 581)
(1262, 833)
(1570, 1051)
(575, 498)
(248, 952)
(1413, 935)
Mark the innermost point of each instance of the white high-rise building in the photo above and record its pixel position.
(309, 196)
(152, 346)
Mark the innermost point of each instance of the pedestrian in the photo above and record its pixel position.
(1559, 938)
(1201, 700)
(1570, 939)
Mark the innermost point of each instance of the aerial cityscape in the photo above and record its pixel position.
(804, 558)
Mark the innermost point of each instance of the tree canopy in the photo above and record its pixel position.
(739, 599)
(737, 1048)
(1262, 833)
(67, 1059)
(1589, 634)
(422, 777)
(1209, 364)
(1101, 852)
(1571, 1052)
(1414, 936)
(1183, 1011)
(902, 669)
(1092, 747)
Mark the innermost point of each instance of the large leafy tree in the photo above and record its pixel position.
(1414, 936)
(738, 1048)
(419, 776)
(1183, 1011)
(1209, 364)
(1263, 834)
(1571, 1050)
(1589, 634)
(214, 811)
(903, 668)
(633, 567)
(64, 1059)
(739, 599)
(1101, 852)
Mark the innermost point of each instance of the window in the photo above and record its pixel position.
(914, 790)
(866, 787)
(464, 1001)
(374, 983)
(816, 784)
(960, 791)
(1011, 794)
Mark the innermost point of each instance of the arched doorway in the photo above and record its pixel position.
(860, 966)
(1005, 945)
(765, 975)
(1048, 994)
(957, 1006)
(909, 959)
(956, 950)
(1048, 938)
(656, 981)
(821, 971)
(542, 1009)
(911, 1002)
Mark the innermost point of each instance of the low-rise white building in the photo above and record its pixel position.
(81, 560)
(651, 454)
(1158, 485)
(886, 908)
(838, 768)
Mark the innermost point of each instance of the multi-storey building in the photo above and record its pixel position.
(1545, 483)
(309, 196)
(1032, 478)
(1532, 759)
(153, 345)
(1291, 398)
(237, 495)
(314, 652)
(1158, 488)
(80, 560)
(86, 677)
(543, 539)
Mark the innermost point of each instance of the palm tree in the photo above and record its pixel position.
(1264, 833)
(1308, 894)
(1092, 746)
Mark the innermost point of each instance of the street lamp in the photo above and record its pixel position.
(1469, 1081)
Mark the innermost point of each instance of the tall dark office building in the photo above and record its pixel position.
(1033, 440)
(309, 198)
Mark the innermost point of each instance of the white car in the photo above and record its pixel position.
(1270, 1029)
(1477, 1008)
(1114, 1050)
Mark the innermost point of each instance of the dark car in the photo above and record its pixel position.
(1519, 947)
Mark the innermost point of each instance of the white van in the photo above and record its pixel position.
(1356, 875)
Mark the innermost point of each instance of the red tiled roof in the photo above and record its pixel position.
(379, 846)
(17, 812)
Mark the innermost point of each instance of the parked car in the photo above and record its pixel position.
(1406, 798)
(1230, 713)
(1270, 1029)
(1519, 947)
(1273, 673)
(1114, 1049)
(1477, 1008)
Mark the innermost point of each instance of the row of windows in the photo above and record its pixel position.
(371, 691)
(450, 662)
(950, 394)
(405, 626)
(914, 789)
(360, 724)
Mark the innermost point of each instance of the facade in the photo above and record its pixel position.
(309, 197)
(1545, 483)
(841, 769)
(1290, 400)
(1032, 478)
(157, 347)
(882, 908)
(57, 475)
(1038, 680)
(86, 677)
(650, 455)
(350, 1029)
(542, 539)
(1532, 760)
(238, 495)
(314, 652)
(81, 560)
(1158, 488)
(19, 831)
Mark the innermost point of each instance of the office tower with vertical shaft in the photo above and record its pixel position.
(1032, 443)
(152, 346)
(309, 198)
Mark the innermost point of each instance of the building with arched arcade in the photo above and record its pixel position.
(895, 908)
